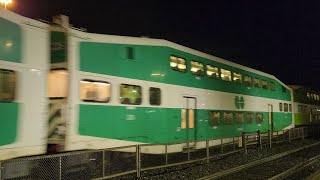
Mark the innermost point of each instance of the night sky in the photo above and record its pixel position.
(279, 37)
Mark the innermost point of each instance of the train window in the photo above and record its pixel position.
(155, 96)
(239, 117)
(247, 80)
(299, 108)
(130, 94)
(214, 118)
(178, 64)
(284, 89)
(237, 77)
(197, 68)
(290, 107)
(183, 119)
(271, 86)
(256, 82)
(249, 117)
(227, 117)
(58, 83)
(308, 95)
(212, 71)
(259, 118)
(264, 84)
(94, 91)
(280, 107)
(225, 75)
(285, 107)
(7, 85)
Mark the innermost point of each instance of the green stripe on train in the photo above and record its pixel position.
(10, 41)
(161, 125)
(151, 63)
(8, 121)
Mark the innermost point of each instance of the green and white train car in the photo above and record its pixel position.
(306, 105)
(24, 53)
(111, 91)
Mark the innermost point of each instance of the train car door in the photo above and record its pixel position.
(270, 117)
(188, 119)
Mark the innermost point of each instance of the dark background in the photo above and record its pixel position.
(279, 37)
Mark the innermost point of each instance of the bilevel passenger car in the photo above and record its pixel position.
(76, 90)
(306, 106)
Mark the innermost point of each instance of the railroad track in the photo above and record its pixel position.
(278, 166)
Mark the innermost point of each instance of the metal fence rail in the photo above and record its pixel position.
(135, 159)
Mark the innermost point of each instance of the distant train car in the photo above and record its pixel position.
(306, 105)
(110, 91)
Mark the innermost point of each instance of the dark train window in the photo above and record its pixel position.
(271, 86)
(197, 68)
(247, 80)
(228, 117)
(285, 107)
(256, 82)
(249, 117)
(259, 118)
(155, 96)
(299, 108)
(280, 107)
(130, 94)
(58, 83)
(7, 85)
(290, 107)
(214, 118)
(264, 84)
(95, 91)
(225, 75)
(178, 64)
(213, 71)
(237, 77)
(239, 117)
(130, 53)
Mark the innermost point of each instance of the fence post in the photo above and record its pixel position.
(103, 163)
(188, 149)
(207, 149)
(244, 142)
(0, 171)
(289, 134)
(278, 139)
(138, 161)
(269, 137)
(303, 133)
(259, 139)
(60, 167)
(221, 146)
(166, 150)
(283, 135)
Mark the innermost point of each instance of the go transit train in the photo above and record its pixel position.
(65, 89)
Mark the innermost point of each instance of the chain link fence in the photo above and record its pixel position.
(114, 162)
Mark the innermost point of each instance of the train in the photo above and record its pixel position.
(64, 89)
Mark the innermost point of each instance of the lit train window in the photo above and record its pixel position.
(256, 82)
(259, 118)
(197, 68)
(214, 118)
(280, 107)
(7, 85)
(290, 107)
(239, 117)
(249, 117)
(227, 117)
(285, 107)
(155, 96)
(130, 94)
(264, 84)
(237, 77)
(94, 91)
(58, 83)
(178, 64)
(212, 71)
(247, 80)
(225, 75)
(271, 86)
